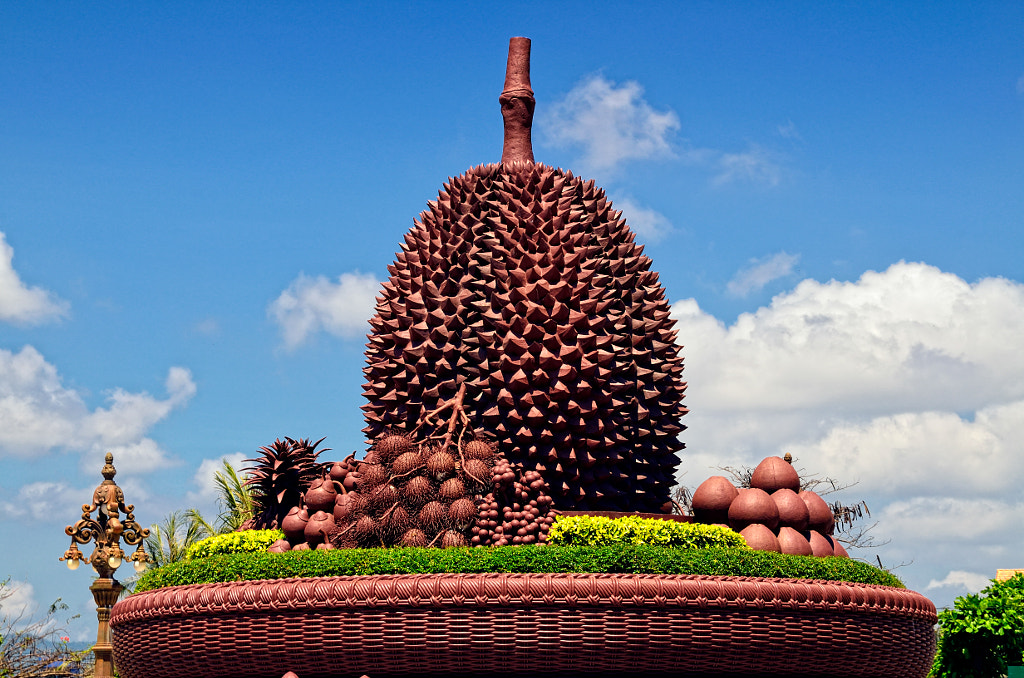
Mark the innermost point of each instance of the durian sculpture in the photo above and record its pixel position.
(521, 283)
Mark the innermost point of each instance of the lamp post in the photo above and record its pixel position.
(107, 530)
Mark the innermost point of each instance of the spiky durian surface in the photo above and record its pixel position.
(522, 282)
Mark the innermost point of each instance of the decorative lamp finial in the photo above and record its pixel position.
(517, 103)
(108, 470)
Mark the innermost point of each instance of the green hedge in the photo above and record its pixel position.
(528, 558)
(601, 531)
(983, 633)
(246, 541)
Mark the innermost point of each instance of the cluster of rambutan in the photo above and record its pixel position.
(410, 493)
(516, 511)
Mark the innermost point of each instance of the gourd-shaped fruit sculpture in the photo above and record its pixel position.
(522, 283)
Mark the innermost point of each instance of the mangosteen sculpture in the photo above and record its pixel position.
(523, 285)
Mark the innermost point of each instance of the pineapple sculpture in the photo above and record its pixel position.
(523, 286)
(279, 477)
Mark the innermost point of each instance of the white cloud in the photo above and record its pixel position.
(39, 414)
(972, 581)
(310, 305)
(20, 304)
(910, 338)
(649, 224)
(788, 131)
(760, 272)
(757, 165)
(949, 455)
(208, 468)
(612, 123)
(908, 380)
(17, 601)
(46, 500)
(208, 327)
(959, 523)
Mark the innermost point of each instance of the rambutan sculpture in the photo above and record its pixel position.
(521, 284)
(441, 484)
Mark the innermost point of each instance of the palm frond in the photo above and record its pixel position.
(168, 541)
(236, 500)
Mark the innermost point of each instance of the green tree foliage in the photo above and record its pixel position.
(983, 633)
(169, 541)
(601, 531)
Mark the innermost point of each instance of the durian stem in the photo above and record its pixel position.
(517, 104)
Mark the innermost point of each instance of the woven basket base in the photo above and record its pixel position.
(524, 624)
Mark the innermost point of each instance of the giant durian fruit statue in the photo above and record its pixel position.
(523, 285)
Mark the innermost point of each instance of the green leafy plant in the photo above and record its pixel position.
(602, 531)
(234, 499)
(983, 633)
(634, 558)
(170, 540)
(247, 541)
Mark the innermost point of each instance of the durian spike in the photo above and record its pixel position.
(517, 104)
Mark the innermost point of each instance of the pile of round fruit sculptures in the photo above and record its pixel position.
(449, 490)
(772, 514)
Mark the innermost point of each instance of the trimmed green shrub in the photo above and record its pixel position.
(642, 559)
(246, 541)
(601, 531)
(983, 633)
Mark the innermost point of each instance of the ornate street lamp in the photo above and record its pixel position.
(107, 530)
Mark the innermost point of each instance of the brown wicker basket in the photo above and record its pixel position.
(518, 624)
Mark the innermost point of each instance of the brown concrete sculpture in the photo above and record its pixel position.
(502, 624)
(444, 487)
(521, 357)
(522, 284)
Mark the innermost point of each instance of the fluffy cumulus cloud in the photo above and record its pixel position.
(312, 305)
(20, 304)
(38, 414)
(45, 500)
(908, 380)
(611, 123)
(204, 478)
(648, 224)
(17, 602)
(760, 272)
(961, 579)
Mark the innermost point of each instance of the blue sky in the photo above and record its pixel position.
(199, 201)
